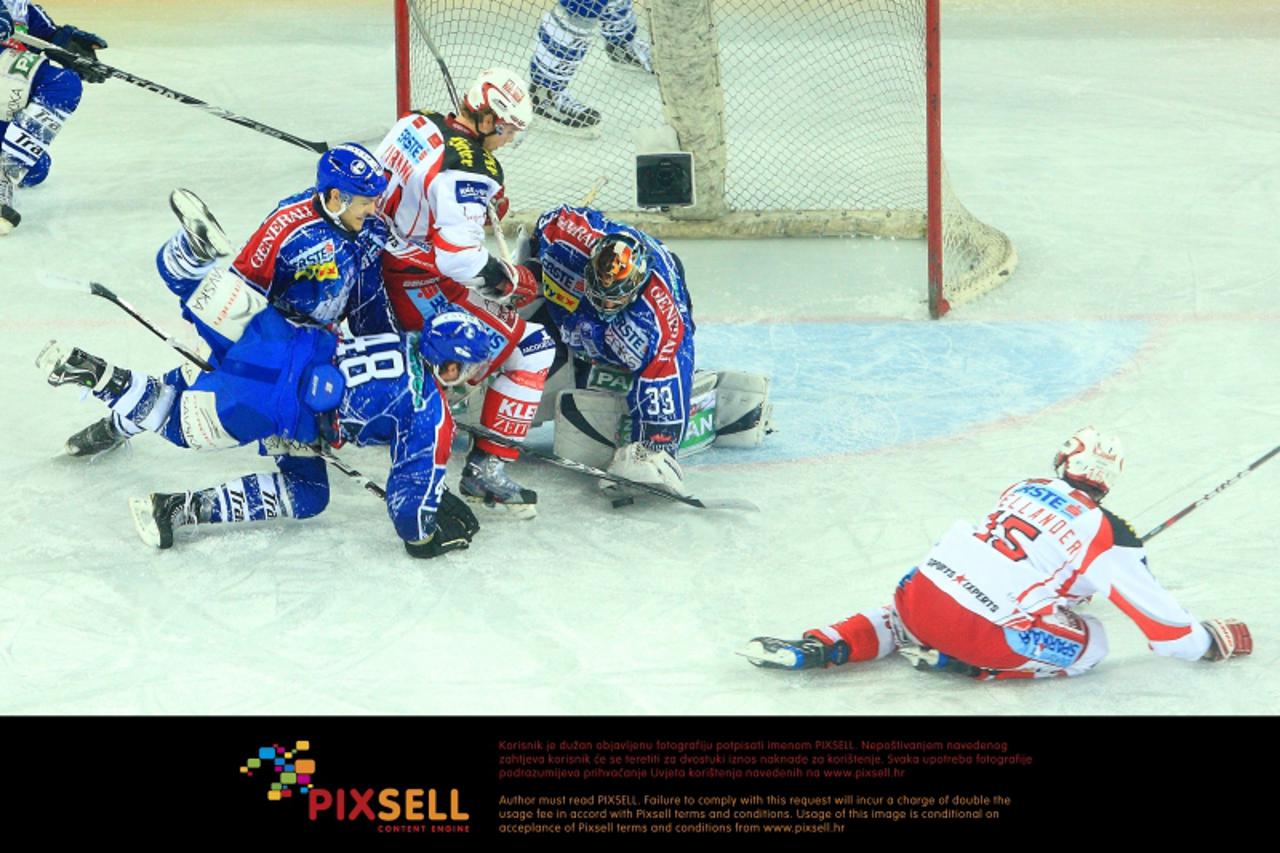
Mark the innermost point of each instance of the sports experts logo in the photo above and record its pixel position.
(286, 775)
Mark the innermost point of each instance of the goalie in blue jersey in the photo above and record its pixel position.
(618, 302)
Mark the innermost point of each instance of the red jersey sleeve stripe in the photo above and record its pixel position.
(1153, 628)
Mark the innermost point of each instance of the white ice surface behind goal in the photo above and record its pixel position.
(1128, 152)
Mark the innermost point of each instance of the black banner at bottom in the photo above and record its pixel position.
(600, 778)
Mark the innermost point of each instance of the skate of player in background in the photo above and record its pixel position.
(306, 258)
(36, 97)
(443, 174)
(277, 383)
(997, 602)
(564, 36)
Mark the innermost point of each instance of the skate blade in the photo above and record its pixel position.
(189, 208)
(77, 452)
(51, 356)
(145, 522)
(755, 652)
(516, 511)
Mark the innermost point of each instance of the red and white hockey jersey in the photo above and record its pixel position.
(1046, 545)
(436, 201)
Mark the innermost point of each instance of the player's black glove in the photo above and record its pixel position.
(456, 524)
(6, 25)
(85, 45)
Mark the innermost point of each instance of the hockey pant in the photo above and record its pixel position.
(26, 133)
(417, 290)
(1061, 643)
(565, 33)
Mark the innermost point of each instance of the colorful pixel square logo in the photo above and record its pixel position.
(282, 769)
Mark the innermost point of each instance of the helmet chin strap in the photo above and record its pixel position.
(336, 218)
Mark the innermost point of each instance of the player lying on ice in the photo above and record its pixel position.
(619, 306)
(306, 259)
(292, 387)
(36, 97)
(443, 176)
(998, 601)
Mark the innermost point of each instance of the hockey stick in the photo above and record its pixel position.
(503, 250)
(1155, 531)
(68, 58)
(95, 289)
(61, 282)
(569, 464)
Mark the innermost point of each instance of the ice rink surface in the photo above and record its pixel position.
(1128, 149)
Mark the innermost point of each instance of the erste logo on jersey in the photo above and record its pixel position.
(628, 342)
(327, 271)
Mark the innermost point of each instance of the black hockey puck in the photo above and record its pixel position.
(618, 503)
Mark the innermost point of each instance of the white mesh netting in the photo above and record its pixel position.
(805, 118)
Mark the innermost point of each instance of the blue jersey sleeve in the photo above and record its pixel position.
(39, 24)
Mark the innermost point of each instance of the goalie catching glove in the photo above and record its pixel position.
(456, 524)
(1229, 638)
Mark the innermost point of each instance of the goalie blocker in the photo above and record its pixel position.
(726, 408)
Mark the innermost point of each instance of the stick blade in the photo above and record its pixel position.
(65, 283)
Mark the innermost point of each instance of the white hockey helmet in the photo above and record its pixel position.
(1090, 458)
(506, 93)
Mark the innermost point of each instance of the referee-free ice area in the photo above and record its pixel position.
(1129, 151)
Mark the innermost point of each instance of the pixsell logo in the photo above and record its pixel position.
(284, 774)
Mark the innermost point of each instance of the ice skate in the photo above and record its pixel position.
(208, 241)
(9, 218)
(157, 516)
(71, 366)
(632, 56)
(808, 653)
(485, 481)
(563, 109)
(98, 437)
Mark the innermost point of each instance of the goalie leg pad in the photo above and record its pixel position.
(587, 426)
(743, 411)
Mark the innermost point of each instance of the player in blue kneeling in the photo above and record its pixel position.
(278, 381)
(36, 97)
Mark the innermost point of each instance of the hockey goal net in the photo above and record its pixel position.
(805, 118)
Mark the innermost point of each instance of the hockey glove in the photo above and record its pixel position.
(456, 524)
(6, 25)
(518, 287)
(83, 45)
(1230, 639)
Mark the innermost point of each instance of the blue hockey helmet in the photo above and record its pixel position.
(455, 337)
(615, 273)
(351, 170)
